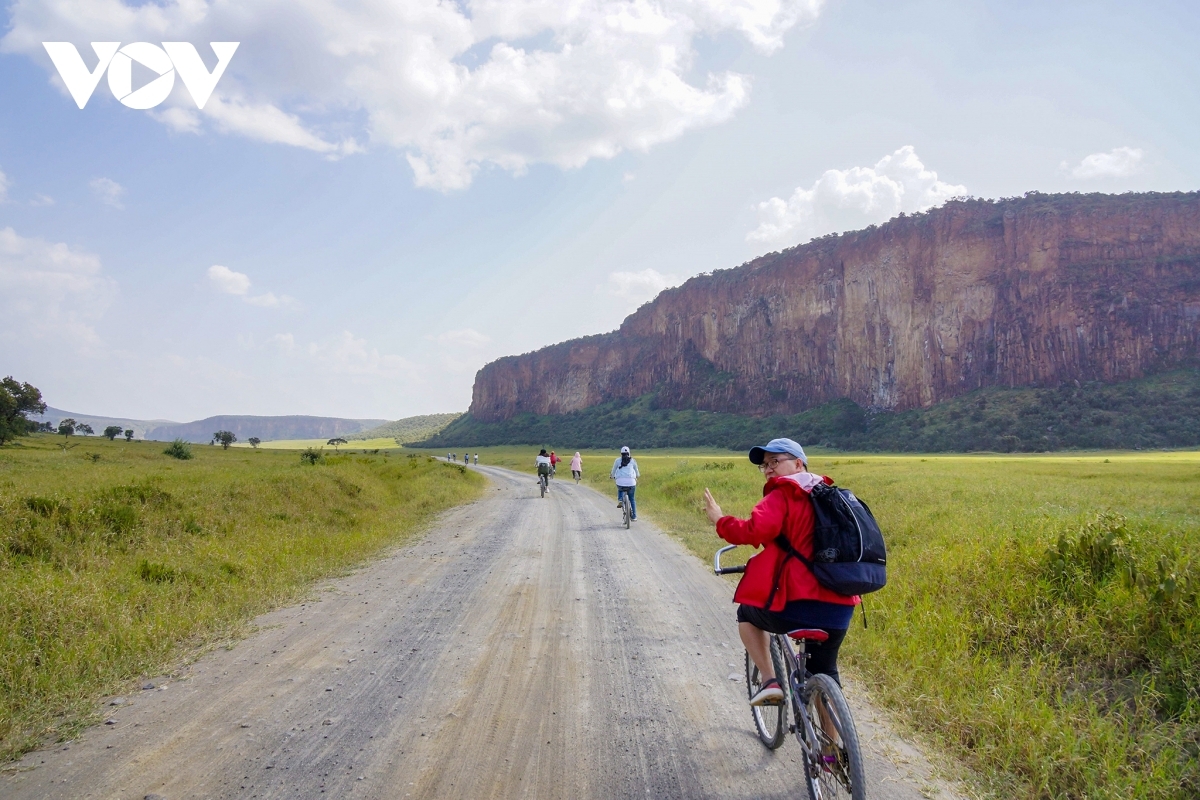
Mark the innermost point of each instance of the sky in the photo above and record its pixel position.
(378, 198)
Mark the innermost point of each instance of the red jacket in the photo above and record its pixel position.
(785, 508)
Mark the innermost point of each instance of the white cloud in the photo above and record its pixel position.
(270, 300)
(228, 281)
(455, 86)
(42, 200)
(465, 337)
(640, 286)
(50, 291)
(266, 123)
(1120, 162)
(108, 190)
(238, 284)
(3, 187)
(843, 200)
(347, 354)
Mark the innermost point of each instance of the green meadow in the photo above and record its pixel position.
(117, 561)
(1040, 622)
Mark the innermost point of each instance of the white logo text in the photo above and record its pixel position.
(165, 61)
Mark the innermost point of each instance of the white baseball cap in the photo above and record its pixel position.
(624, 450)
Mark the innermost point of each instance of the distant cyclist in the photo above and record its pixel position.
(778, 594)
(625, 473)
(477, 459)
(553, 463)
(543, 466)
(577, 466)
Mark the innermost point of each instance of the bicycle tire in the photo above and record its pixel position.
(542, 484)
(769, 721)
(626, 512)
(844, 779)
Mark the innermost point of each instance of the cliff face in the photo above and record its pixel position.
(1033, 291)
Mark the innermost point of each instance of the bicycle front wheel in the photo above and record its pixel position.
(770, 721)
(837, 771)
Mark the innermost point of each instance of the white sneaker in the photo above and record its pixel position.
(770, 694)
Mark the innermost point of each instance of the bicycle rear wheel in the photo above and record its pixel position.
(542, 484)
(839, 773)
(770, 721)
(626, 512)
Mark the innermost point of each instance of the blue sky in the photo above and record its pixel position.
(382, 197)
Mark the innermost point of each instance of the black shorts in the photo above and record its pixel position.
(822, 656)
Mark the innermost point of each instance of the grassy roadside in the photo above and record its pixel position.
(115, 558)
(1041, 618)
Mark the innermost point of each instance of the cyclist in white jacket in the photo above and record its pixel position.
(625, 473)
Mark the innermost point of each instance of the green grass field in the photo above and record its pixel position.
(1040, 621)
(116, 560)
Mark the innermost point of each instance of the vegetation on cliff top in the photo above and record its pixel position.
(1155, 412)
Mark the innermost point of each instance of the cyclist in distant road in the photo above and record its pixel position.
(477, 459)
(625, 473)
(577, 466)
(774, 600)
(543, 466)
(553, 463)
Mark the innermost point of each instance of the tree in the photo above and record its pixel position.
(17, 401)
(66, 427)
(129, 434)
(336, 442)
(224, 438)
(83, 429)
(112, 432)
(254, 442)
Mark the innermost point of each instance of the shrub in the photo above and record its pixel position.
(312, 456)
(179, 449)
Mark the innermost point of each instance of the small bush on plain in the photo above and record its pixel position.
(179, 449)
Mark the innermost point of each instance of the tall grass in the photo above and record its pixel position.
(115, 558)
(1040, 620)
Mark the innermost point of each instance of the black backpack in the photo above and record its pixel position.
(848, 552)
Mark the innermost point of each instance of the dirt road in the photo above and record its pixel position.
(525, 647)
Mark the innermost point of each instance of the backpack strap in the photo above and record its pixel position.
(783, 544)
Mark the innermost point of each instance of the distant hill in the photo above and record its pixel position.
(1162, 411)
(140, 427)
(265, 428)
(409, 429)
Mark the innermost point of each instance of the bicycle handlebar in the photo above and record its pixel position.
(718, 569)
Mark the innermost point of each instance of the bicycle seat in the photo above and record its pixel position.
(809, 634)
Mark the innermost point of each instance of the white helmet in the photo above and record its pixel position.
(624, 451)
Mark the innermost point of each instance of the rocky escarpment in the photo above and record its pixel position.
(1033, 291)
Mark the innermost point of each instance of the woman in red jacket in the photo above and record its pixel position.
(779, 594)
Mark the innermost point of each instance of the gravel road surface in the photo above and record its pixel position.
(524, 647)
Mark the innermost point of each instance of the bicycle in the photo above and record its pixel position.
(833, 761)
(543, 483)
(626, 509)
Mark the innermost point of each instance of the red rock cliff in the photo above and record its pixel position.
(1037, 290)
